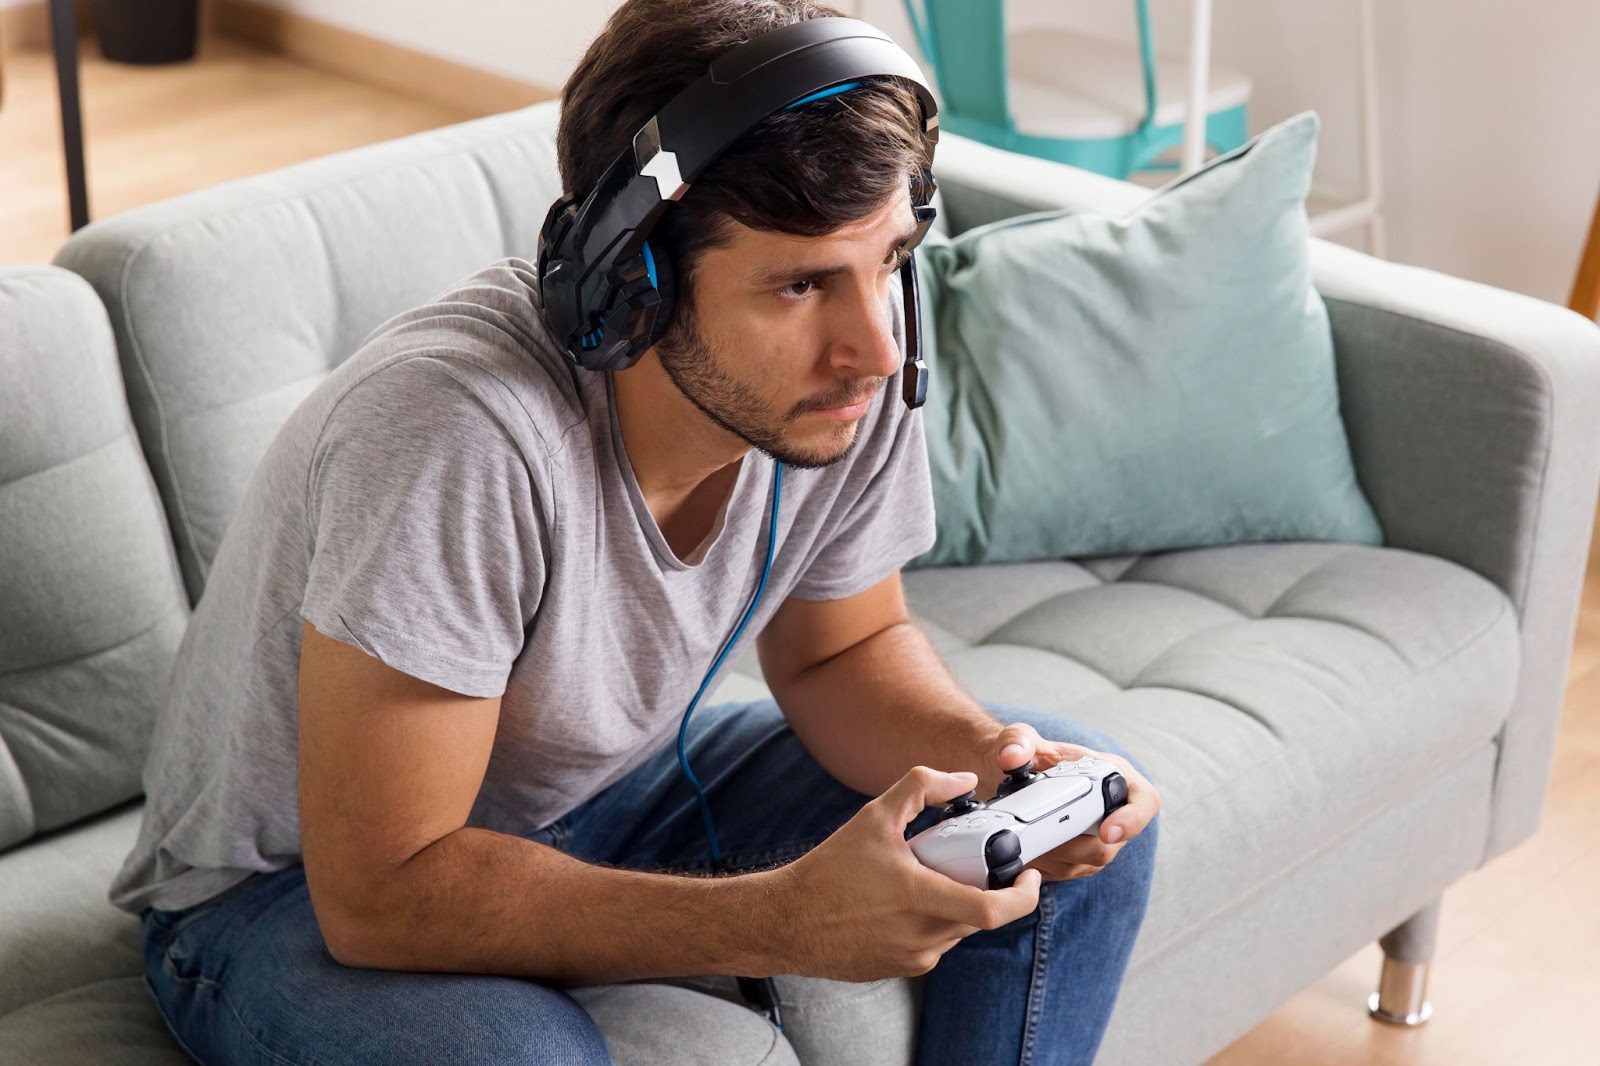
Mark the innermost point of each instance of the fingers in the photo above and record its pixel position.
(1019, 743)
(1129, 820)
(1087, 850)
(984, 908)
(1065, 871)
(1014, 745)
(920, 788)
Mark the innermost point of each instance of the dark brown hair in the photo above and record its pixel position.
(805, 171)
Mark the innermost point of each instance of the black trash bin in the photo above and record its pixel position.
(147, 31)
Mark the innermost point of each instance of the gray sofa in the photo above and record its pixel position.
(1339, 732)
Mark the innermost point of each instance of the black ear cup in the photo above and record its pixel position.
(605, 321)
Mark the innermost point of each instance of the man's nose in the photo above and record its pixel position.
(864, 345)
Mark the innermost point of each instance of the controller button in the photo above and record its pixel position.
(947, 830)
(1005, 846)
(968, 801)
(1114, 790)
(1005, 876)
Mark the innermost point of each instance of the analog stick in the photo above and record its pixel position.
(963, 803)
(1021, 777)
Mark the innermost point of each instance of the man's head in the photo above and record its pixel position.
(759, 342)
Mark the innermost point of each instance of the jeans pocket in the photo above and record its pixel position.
(173, 927)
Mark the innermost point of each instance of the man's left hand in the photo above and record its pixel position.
(1084, 855)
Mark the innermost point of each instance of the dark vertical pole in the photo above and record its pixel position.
(64, 39)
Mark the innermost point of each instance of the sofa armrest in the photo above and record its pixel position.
(981, 184)
(1474, 421)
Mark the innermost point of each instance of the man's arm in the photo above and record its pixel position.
(869, 696)
(388, 769)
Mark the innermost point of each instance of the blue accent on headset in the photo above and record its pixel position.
(835, 91)
(650, 263)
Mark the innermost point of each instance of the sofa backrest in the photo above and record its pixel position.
(92, 606)
(230, 304)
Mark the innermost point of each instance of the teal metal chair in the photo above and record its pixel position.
(1051, 105)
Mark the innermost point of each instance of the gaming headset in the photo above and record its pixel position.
(605, 292)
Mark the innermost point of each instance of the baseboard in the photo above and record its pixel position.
(392, 66)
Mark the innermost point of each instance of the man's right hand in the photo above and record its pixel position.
(860, 906)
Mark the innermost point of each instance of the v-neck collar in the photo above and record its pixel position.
(647, 521)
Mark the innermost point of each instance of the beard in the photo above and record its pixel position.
(736, 406)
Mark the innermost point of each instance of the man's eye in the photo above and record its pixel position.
(798, 288)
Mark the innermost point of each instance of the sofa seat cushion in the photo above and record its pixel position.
(57, 929)
(111, 1022)
(1280, 696)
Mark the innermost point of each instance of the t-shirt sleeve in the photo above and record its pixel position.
(427, 539)
(883, 515)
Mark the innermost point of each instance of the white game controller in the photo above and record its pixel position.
(986, 845)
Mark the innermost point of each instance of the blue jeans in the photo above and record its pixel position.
(246, 977)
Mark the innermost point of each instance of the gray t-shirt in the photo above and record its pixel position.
(456, 500)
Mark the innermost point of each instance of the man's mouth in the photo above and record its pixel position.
(847, 403)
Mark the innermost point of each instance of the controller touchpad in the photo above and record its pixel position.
(1031, 804)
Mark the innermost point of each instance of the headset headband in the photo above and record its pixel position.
(595, 261)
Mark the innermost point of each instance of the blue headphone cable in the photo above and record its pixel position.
(760, 991)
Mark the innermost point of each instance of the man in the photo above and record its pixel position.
(417, 773)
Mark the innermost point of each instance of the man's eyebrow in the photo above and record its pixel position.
(789, 273)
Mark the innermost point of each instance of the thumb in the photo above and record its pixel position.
(920, 788)
(1014, 745)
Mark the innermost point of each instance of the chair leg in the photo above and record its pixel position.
(1402, 995)
(64, 42)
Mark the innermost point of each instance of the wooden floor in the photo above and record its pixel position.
(1517, 976)
(157, 131)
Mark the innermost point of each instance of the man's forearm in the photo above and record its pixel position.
(885, 705)
(477, 901)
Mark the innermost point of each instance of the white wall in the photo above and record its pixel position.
(1490, 139)
(537, 41)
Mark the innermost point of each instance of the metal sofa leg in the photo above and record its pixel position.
(1402, 995)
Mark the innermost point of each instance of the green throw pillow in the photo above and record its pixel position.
(1156, 381)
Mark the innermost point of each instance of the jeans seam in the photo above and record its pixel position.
(1036, 981)
(227, 1001)
(172, 1029)
(255, 1041)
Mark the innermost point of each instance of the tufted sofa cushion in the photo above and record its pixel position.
(1335, 681)
(231, 304)
(91, 608)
